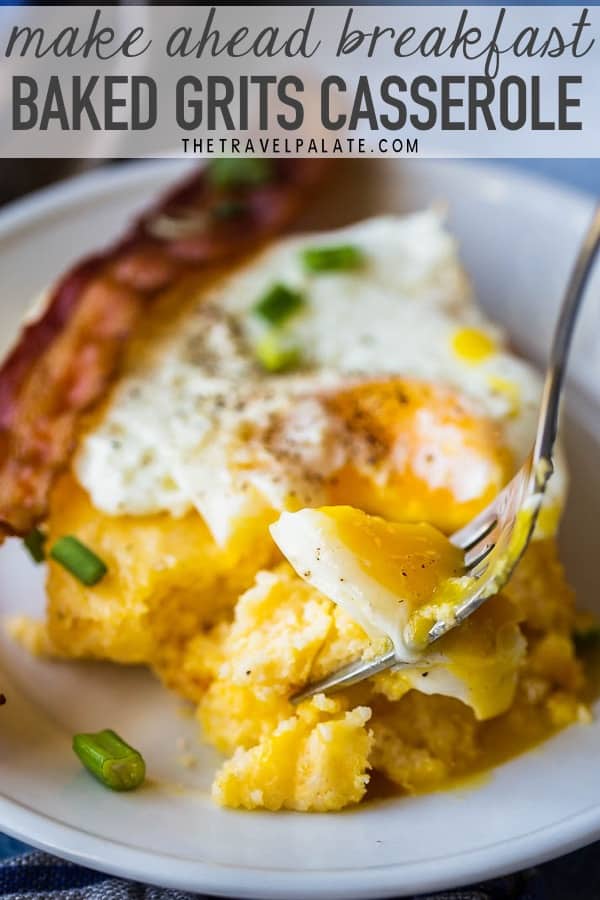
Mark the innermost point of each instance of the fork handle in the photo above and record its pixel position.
(561, 342)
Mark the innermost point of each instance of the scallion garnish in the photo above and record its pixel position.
(278, 304)
(338, 258)
(110, 759)
(276, 354)
(34, 543)
(78, 559)
(239, 171)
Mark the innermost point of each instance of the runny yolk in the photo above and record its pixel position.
(416, 452)
(414, 562)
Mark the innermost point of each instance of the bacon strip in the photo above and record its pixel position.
(64, 362)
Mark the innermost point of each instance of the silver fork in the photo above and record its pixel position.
(495, 540)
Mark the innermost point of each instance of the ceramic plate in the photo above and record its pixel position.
(518, 238)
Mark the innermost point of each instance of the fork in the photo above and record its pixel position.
(495, 540)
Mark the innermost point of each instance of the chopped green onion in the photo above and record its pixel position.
(278, 304)
(239, 171)
(275, 354)
(112, 761)
(332, 259)
(228, 209)
(34, 543)
(78, 559)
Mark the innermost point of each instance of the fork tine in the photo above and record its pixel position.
(347, 676)
(476, 530)
(477, 554)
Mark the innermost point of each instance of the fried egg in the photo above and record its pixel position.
(405, 401)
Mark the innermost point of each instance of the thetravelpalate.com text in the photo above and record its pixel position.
(299, 146)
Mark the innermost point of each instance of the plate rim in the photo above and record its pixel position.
(397, 879)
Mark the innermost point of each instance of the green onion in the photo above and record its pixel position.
(278, 304)
(239, 171)
(228, 209)
(275, 354)
(78, 559)
(112, 761)
(332, 259)
(34, 543)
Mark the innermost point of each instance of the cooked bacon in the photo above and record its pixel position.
(64, 362)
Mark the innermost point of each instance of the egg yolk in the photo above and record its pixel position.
(412, 561)
(416, 452)
(473, 345)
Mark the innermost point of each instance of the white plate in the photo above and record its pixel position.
(518, 237)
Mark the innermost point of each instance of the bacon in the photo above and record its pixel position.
(65, 361)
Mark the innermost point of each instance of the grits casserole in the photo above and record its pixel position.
(269, 483)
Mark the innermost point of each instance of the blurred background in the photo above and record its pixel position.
(21, 176)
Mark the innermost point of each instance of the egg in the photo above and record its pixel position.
(402, 399)
(386, 576)
(382, 573)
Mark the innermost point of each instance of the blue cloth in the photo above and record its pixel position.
(36, 876)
